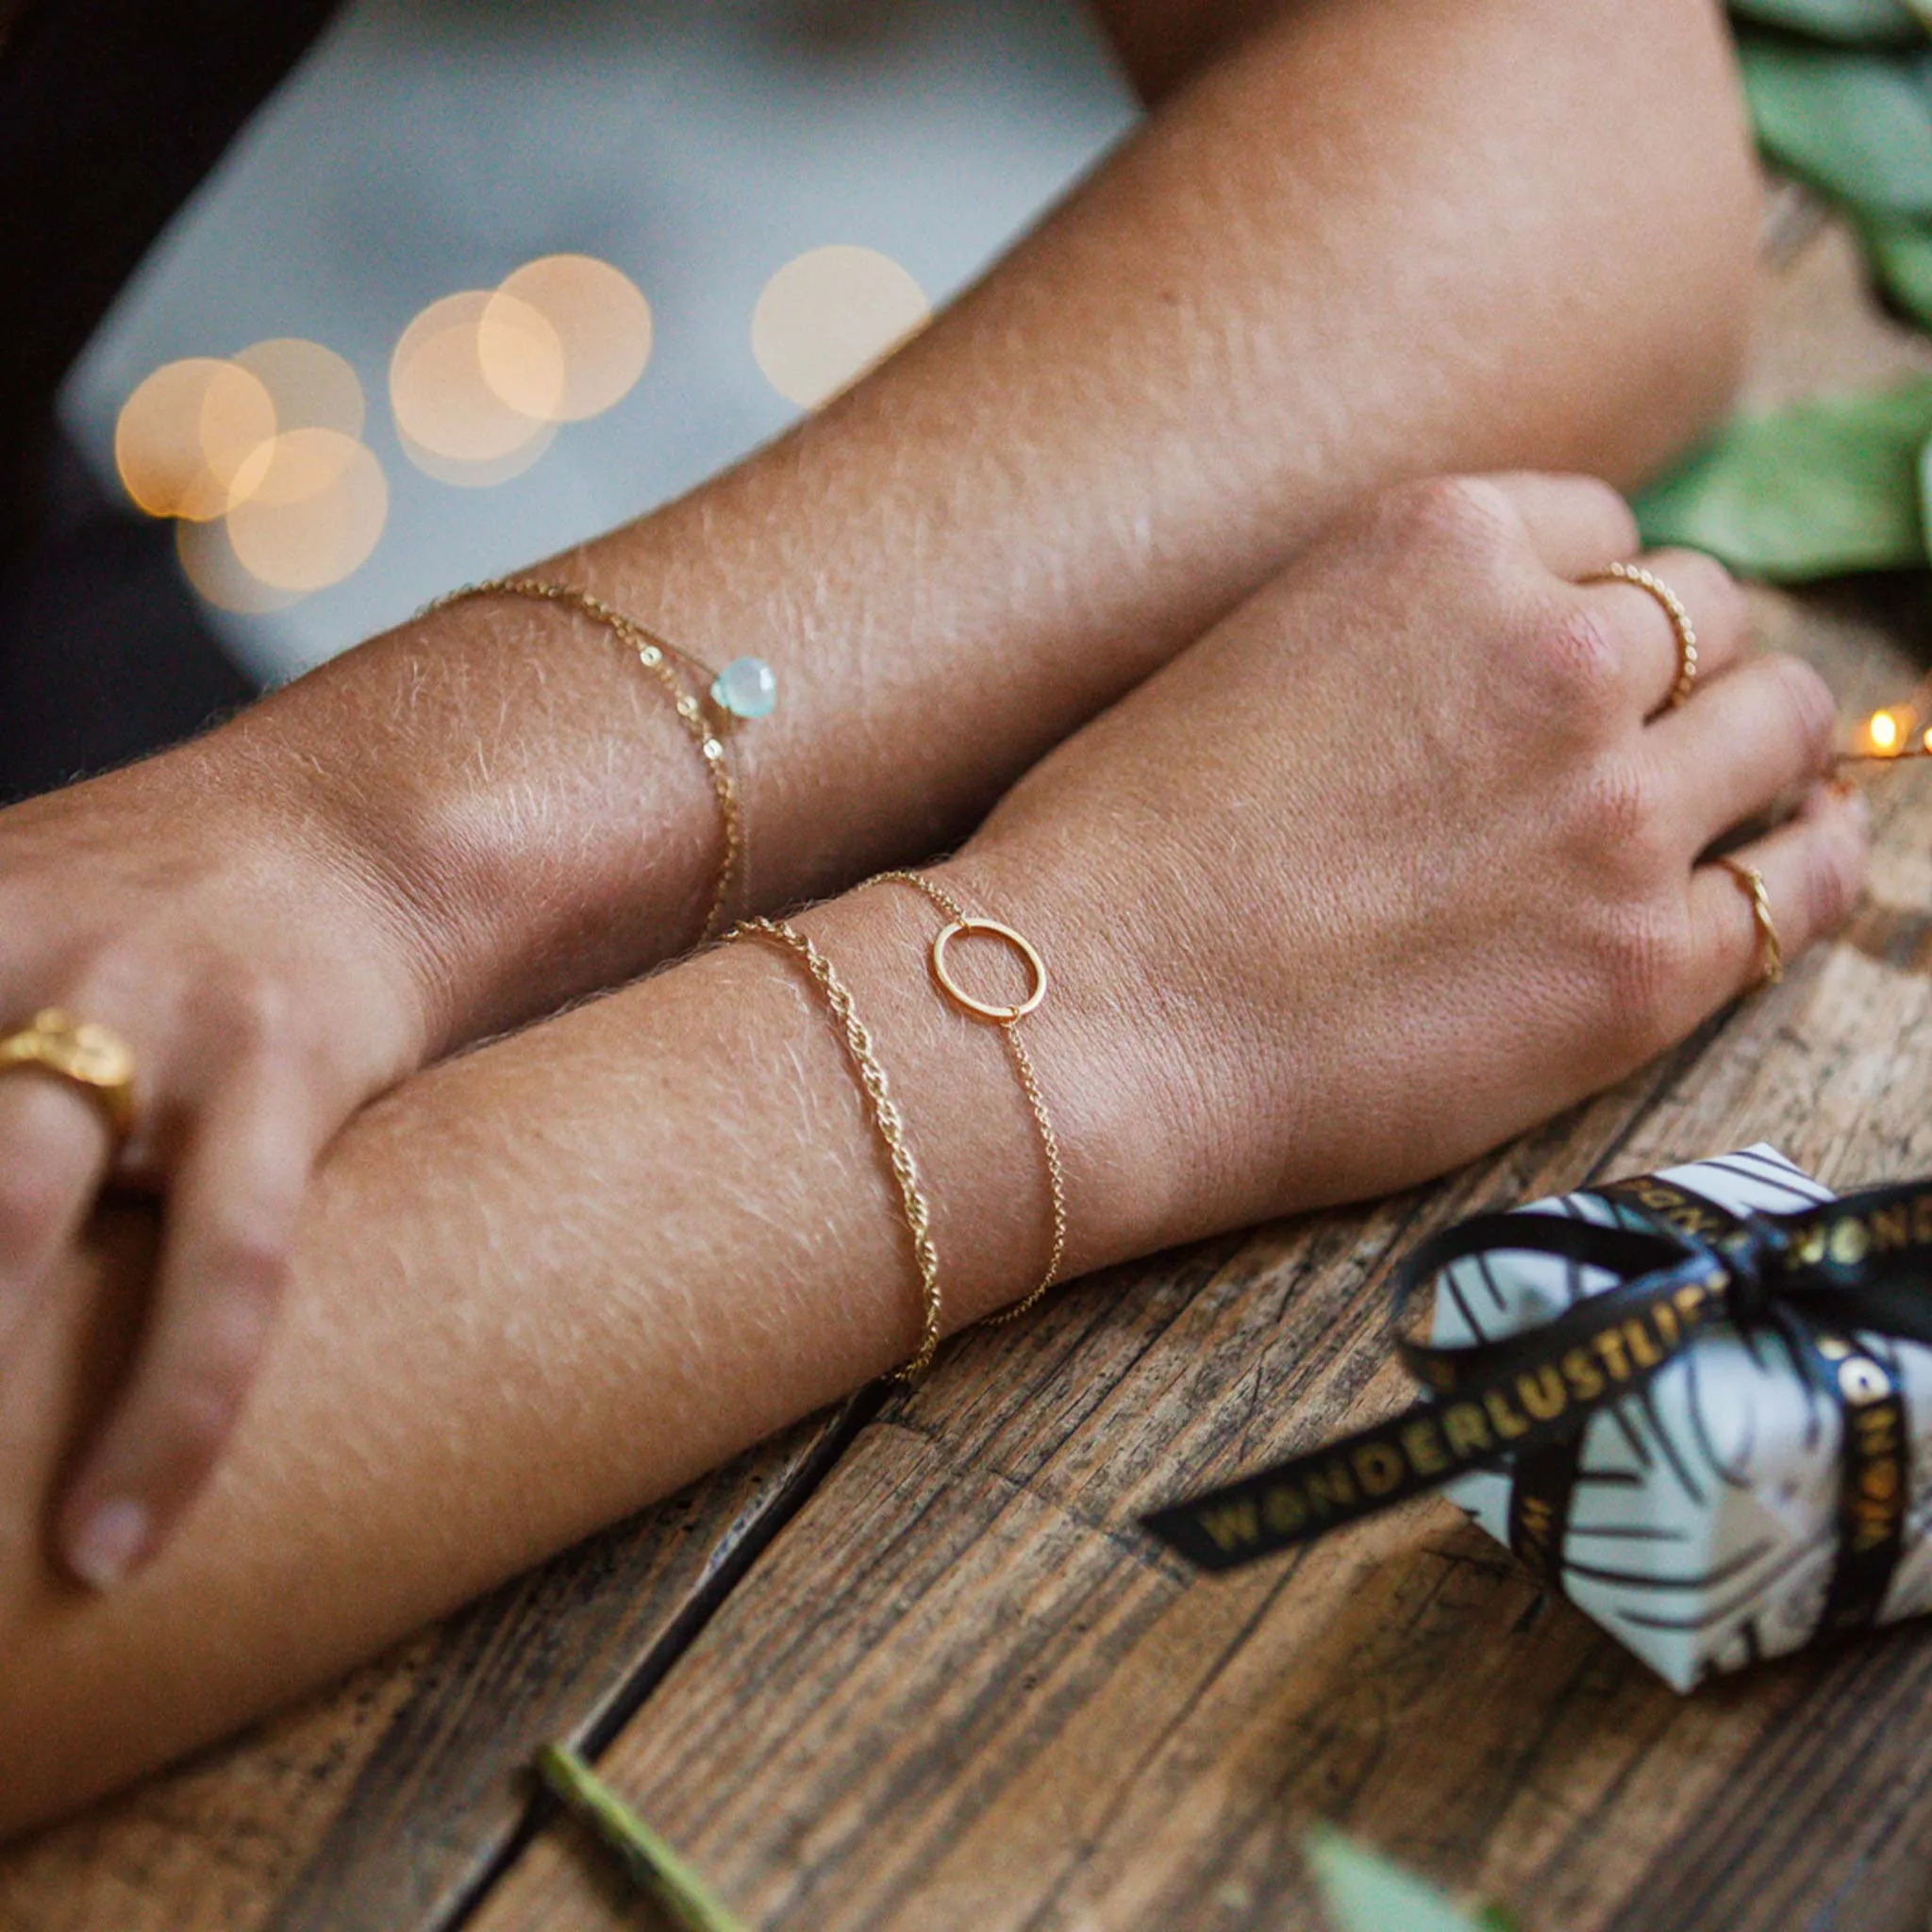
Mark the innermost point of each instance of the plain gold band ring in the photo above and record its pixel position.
(1681, 627)
(1770, 955)
(83, 1053)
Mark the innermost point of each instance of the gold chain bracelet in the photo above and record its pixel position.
(887, 1121)
(745, 688)
(886, 1118)
(1006, 1018)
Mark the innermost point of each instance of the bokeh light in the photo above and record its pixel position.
(1883, 731)
(601, 320)
(828, 316)
(314, 516)
(312, 388)
(188, 433)
(208, 563)
(472, 427)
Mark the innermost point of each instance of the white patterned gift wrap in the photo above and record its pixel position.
(1704, 1520)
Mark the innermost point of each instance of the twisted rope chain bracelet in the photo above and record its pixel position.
(745, 688)
(886, 1118)
(890, 1124)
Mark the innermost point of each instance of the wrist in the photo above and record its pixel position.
(518, 808)
(966, 1112)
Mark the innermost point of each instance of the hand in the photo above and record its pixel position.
(1406, 856)
(264, 981)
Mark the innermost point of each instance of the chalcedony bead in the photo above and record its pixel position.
(746, 688)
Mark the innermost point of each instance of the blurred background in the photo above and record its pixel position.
(321, 314)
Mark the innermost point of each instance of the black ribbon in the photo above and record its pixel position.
(1812, 1281)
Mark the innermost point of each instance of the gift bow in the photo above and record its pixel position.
(1813, 1281)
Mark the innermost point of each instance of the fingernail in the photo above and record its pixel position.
(109, 1544)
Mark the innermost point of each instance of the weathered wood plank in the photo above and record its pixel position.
(384, 1802)
(961, 1690)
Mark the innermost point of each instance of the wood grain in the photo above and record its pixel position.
(386, 1803)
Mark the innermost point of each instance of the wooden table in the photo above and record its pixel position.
(912, 1666)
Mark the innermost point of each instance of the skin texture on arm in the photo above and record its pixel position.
(1371, 239)
(550, 1280)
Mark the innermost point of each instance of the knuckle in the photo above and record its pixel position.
(1832, 877)
(1464, 514)
(1807, 702)
(1579, 660)
(1624, 826)
(255, 1014)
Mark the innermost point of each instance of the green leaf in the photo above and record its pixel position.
(1821, 488)
(1863, 23)
(1365, 1892)
(1859, 125)
(652, 1866)
(1901, 255)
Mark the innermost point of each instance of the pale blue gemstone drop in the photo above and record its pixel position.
(746, 688)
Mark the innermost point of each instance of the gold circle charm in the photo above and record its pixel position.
(979, 1010)
(83, 1053)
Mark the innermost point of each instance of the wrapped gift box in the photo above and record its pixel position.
(1704, 1518)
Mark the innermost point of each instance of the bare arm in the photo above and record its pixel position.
(1376, 237)
(546, 1282)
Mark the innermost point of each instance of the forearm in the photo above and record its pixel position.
(535, 1289)
(1373, 240)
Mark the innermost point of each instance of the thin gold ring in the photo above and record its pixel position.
(1770, 953)
(1681, 627)
(981, 1009)
(83, 1053)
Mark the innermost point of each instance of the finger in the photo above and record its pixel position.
(1737, 748)
(1576, 523)
(1719, 619)
(1814, 869)
(224, 1263)
(54, 1150)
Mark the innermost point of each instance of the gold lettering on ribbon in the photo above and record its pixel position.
(1642, 1350)
(1329, 1488)
(1809, 1248)
(1231, 1525)
(1423, 1447)
(1506, 1419)
(1283, 1510)
(1848, 1243)
(1890, 1227)
(1692, 1301)
(1543, 1394)
(1585, 1379)
(1921, 1218)
(1609, 1344)
(1466, 1432)
(1379, 1468)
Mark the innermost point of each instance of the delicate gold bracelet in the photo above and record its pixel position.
(745, 688)
(886, 1119)
(890, 1124)
(1006, 1018)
